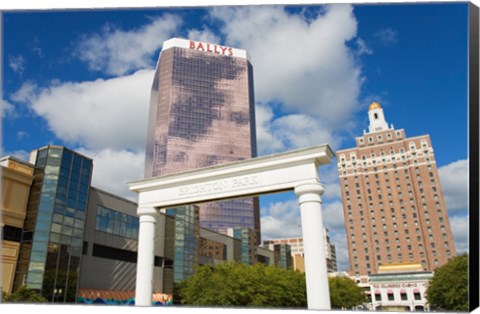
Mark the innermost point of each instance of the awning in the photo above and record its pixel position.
(403, 291)
(377, 292)
(90, 296)
(389, 291)
(416, 291)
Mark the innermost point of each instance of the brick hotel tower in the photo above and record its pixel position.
(393, 203)
(202, 114)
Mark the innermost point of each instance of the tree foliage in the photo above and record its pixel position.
(24, 295)
(344, 293)
(448, 289)
(236, 284)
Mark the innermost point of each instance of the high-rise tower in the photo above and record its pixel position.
(393, 203)
(202, 114)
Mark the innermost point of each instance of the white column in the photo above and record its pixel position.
(318, 293)
(145, 256)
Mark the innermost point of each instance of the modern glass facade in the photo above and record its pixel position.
(52, 238)
(202, 114)
(283, 256)
(116, 223)
(186, 246)
(247, 244)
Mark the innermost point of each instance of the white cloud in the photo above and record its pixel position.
(300, 130)
(454, 179)
(21, 154)
(98, 114)
(302, 63)
(17, 64)
(8, 110)
(460, 227)
(205, 35)
(333, 216)
(22, 135)
(281, 220)
(113, 169)
(266, 140)
(362, 47)
(292, 131)
(119, 52)
(26, 93)
(332, 190)
(388, 36)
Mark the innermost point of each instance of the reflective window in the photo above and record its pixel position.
(117, 223)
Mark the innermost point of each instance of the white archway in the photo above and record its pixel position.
(293, 170)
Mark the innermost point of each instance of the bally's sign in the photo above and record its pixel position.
(211, 48)
(205, 47)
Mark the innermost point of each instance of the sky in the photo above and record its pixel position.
(82, 79)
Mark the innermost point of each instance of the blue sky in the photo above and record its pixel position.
(82, 79)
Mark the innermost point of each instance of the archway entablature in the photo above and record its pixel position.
(294, 170)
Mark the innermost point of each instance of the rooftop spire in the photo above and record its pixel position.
(377, 119)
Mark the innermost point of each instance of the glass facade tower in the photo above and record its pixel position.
(247, 244)
(186, 238)
(202, 114)
(52, 237)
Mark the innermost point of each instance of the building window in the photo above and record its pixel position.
(378, 296)
(390, 295)
(403, 295)
(117, 223)
(416, 295)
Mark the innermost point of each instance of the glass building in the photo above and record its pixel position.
(283, 255)
(117, 223)
(247, 244)
(52, 237)
(186, 246)
(202, 114)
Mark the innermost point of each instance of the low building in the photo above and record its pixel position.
(296, 245)
(17, 178)
(109, 259)
(399, 287)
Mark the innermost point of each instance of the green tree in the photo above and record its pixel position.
(344, 293)
(24, 295)
(236, 284)
(448, 289)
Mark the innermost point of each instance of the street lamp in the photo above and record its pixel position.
(57, 293)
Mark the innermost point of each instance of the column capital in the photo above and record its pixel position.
(309, 192)
(310, 187)
(146, 211)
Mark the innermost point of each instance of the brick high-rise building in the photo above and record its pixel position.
(202, 114)
(393, 203)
